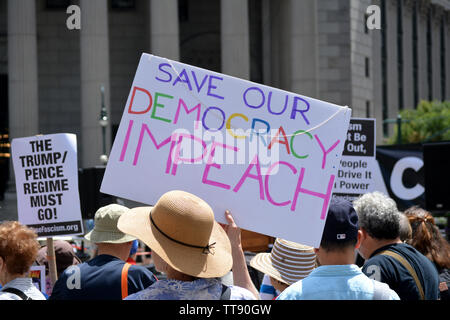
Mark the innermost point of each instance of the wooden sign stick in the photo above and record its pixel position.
(51, 260)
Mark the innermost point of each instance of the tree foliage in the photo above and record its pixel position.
(429, 122)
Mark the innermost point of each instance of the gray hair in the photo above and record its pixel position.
(378, 215)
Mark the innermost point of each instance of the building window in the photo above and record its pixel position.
(183, 10)
(367, 67)
(429, 56)
(415, 56)
(443, 63)
(384, 78)
(57, 4)
(400, 53)
(366, 29)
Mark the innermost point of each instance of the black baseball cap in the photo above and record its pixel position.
(342, 222)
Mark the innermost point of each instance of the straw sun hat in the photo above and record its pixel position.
(181, 229)
(288, 261)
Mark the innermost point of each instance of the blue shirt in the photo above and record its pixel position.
(388, 270)
(100, 279)
(333, 282)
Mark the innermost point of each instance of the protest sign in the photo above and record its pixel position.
(46, 174)
(37, 275)
(268, 155)
(359, 171)
(402, 169)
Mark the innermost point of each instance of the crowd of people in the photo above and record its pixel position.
(405, 256)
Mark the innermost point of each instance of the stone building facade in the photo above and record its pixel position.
(50, 76)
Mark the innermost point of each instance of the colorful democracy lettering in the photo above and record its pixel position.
(303, 135)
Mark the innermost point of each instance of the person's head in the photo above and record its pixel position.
(340, 235)
(182, 234)
(18, 250)
(379, 221)
(106, 235)
(64, 256)
(426, 237)
(405, 231)
(287, 263)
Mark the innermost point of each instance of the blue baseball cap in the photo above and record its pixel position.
(342, 222)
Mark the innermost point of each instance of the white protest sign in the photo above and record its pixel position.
(46, 173)
(268, 155)
(359, 171)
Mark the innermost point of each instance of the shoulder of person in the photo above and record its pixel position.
(382, 291)
(139, 270)
(8, 296)
(239, 293)
(293, 292)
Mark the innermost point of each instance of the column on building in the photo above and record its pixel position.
(22, 69)
(408, 78)
(392, 62)
(94, 56)
(447, 54)
(377, 80)
(164, 30)
(235, 47)
(437, 13)
(304, 48)
(423, 7)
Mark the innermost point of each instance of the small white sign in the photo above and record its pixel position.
(46, 174)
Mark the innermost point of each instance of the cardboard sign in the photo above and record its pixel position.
(359, 171)
(268, 155)
(47, 184)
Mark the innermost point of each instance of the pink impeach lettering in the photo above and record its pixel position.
(125, 142)
(266, 185)
(141, 137)
(325, 152)
(177, 159)
(258, 177)
(210, 164)
(325, 196)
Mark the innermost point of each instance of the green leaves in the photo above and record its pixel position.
(429, 122)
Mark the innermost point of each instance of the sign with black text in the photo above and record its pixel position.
(359, 171)
(46, 174)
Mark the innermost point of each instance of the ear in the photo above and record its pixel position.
(360, 238)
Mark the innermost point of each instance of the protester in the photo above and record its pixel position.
(388, 259)
(405, 231)
(107, 276)
(190, 247)
(428, 240)
(64, 257)
(18, 250)
(337, 277)
(287, 263)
